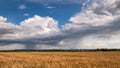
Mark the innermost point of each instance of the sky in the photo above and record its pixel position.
(59, 24)
(19, 10)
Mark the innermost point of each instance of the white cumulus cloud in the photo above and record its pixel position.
(39, 25)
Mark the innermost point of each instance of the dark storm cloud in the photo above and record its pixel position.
(4, 31)
(54, 40)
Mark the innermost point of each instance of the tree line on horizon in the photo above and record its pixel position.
(59, 50)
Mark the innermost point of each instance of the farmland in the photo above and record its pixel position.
(60, 59)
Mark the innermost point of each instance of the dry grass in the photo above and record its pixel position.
(59, 59)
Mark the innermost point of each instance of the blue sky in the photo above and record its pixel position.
(36, 24)
(59, 11)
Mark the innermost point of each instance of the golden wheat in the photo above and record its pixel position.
(59, 59)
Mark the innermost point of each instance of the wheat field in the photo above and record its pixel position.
(59, 59)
